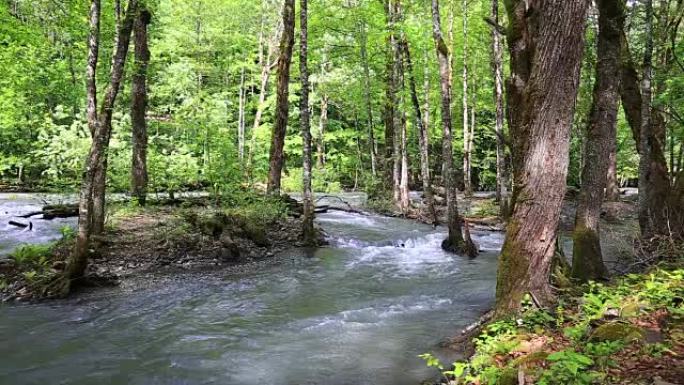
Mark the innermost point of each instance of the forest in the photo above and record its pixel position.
(284, 187)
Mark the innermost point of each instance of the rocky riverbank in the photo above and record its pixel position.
(165, 239)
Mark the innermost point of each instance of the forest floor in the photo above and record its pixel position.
(160, 240)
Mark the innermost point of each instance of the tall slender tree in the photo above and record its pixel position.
(423, 136)
(467, 182)
(304, 117)
(587, 259)
(502, 180)
(139, 107)
(276, 154)
(455, 241)
(545, 39)
(96, 161)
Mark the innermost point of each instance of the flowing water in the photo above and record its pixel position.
(356, 312)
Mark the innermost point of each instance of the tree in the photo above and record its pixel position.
(545, 41)
(587, 259)
(96, 161)
(423, 136)
(467, 141)
(276, 155)
(455, 241)
(308, 220)
(139, 107)
(363, 51)
(502, 181)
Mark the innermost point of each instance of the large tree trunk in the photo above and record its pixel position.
(276, 155)
(139, 108)
(587, 259)
(304, 116)
(423, 137)
(454, 241)
(468, 186)
(502, 181)
(546, 43)
(96, 161)
(367, 96)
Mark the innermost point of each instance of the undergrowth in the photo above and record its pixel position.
(584, 340)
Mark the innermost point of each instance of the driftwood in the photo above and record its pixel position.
(55, 211)
(22, 225)
(349, 209)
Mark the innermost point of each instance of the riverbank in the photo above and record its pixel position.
(630, 331)
(166, 238)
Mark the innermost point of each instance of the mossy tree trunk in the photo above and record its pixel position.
(587, 259)
(96, 160)
(455, 241)
(276, 154)
(139, 108)
(546, 43)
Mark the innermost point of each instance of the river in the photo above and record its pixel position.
(356, 312)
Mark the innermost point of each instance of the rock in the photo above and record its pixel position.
(617, 331)
(509, 376)
(659, 381)
(229, 251)
(529, 359)
(630, 310)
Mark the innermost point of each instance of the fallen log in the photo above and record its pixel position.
(54, 211)
(22, 225)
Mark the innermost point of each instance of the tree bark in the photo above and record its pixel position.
(307, 195)
(91, 69)
(587, 258)
(468, 186)
(612, 184)
(545, 40)
(241, 117)
(502, 180)
(423, 137)
(454, 241)
(367, 95)
(276, 155)
(139, 108)
(322, 128)
(96, 161)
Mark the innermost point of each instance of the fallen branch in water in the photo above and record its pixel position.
(22, 225)
(349, 209)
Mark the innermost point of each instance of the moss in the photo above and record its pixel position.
(509, 376)
(530, 359)
(587, 260)
(617, 331)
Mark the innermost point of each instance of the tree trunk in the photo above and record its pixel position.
(91, 69)
(96, 160)
(139, 108)
(502, 181)
(307, 195)
(545, 40)
(241, 117)
(454, 241)
(367, 96)
(276, 155)
(612, 185)
(322, 128)
(466, 129)
(423, 137)
(587, 258)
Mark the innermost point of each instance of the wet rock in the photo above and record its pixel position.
(617, 331)
(229, 251)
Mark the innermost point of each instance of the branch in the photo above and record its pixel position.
(500, 29)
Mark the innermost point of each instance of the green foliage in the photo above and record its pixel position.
(31, 254)
(568, 368)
